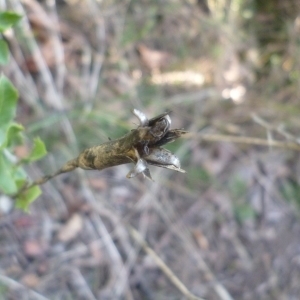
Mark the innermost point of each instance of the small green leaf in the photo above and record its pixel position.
(24, 200)
(3, 132)
(20, 175)
(7, 181)
(8, 19)
(12, 135)
(8, 101)
(4, 52)
(38, 151)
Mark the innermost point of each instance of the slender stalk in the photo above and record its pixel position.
(249, 140)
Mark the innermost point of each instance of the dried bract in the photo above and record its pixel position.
(150, 151)
(163, 158)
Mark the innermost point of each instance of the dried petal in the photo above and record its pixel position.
(170, 136)
(161, 157)
(147, 174)
(159, 117)
(161, 127)
(142, 117)
(140, 167)
(171, 167)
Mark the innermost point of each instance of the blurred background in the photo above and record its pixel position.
(229, 228)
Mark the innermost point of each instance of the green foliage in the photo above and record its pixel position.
(27, 197)
(7, 182)
(8, 101)
(3, 291)
(38, 151)
(8, 19)
(133, 33)
(12, 175)
(243, 212)
(242, 209)
(4, 52)
(13, 136)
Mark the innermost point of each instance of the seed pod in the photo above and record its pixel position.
(140, 146)
(161, 157)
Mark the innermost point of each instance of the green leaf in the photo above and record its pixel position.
(8, 19)
(4, 52)
(8, 101)
(3, 132)
(24, 200)
(38, 151)
(12, 135)
(7, 181)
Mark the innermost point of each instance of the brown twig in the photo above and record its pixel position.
(161, 264)
(248, 140)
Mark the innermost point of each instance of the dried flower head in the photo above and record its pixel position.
(142, 146)
(148, 151)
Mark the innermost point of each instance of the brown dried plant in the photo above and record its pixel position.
(141, 146)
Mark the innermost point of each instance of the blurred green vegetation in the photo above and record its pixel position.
(3, 291)
(197, 177)
(242, 210)
(290, 190)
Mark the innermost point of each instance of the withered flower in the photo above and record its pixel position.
(149, 151)
(141, 146)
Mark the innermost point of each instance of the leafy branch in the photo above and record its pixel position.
(12, 174)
